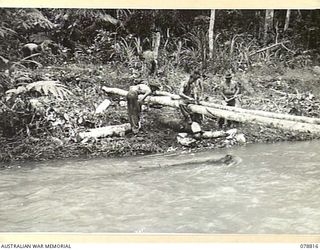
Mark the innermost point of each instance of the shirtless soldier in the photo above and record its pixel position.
(229, 91)
(191, 91)
(134, 105)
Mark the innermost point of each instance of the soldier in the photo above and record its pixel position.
(191, 91)
(230, 91)
(134, 105)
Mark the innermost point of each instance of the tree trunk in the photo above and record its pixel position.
(203, 45)
(295, 118)
(178, 53)
(235, 114)
(287, 21)
(274, 115)
(103, 106)
(268, 25)
(211, 32)
(156, 42)
(256, 119)
(118, 130)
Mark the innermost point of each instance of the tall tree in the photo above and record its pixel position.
(286, 24)
(211, 32)
(268, 25)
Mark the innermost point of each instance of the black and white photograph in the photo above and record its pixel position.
(160, 121)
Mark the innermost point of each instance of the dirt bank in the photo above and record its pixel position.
(293, 91)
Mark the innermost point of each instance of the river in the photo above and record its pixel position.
(270, 189)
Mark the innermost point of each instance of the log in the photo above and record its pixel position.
(185, 139)
(214, 134)
(256, 119)
(118, 130)
(103, 106)
(114, 91)
(213, 160)
(164, 93)
(295, 118)
(241, 116)
(227, 159)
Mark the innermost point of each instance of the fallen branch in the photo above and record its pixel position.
(269, 47)
(279, 92)
(283, 46)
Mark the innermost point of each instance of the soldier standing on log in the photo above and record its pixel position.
(230, 91)
(133, 103)
(191, 91)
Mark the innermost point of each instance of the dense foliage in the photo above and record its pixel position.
(117, 39)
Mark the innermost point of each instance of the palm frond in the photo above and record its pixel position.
(17, 91)
(126, 50)
(4, 31)
(137, 44)
(50, 87)
(28, 61)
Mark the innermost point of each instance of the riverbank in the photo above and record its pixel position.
(276, 89)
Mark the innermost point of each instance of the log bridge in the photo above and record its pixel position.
(287, 122)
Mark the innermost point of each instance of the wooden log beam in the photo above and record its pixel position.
(118, 130)
(103, 106)
(243, 117)
(295, 118)
(292, 126)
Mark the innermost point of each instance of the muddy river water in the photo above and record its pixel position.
(272, 188)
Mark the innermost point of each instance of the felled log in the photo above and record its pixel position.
(213, 160)
(118, 130)
(103, 106)
(240, 115)
(122, 92)
(288, 117)
(294, 118)
(115, 91)
(227, 159)
(165, 93)
(274, 115)
(186, 139)
(214, 134)
(256, 119)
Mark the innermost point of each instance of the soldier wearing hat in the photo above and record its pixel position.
(191, 91)
(133, 103)
(230, 91)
